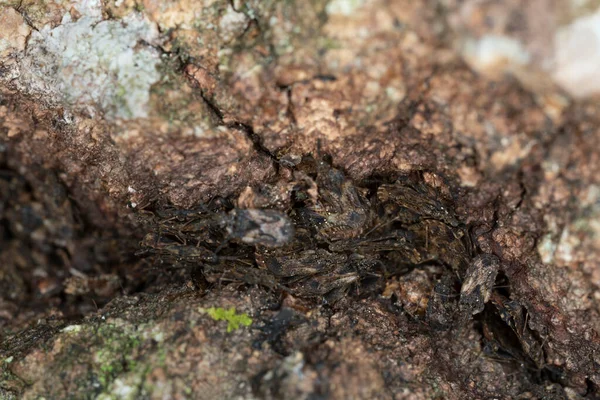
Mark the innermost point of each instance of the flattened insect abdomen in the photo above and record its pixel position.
(269, 228)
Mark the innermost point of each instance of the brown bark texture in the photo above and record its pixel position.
(367, 199)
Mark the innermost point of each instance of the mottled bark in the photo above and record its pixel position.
(432, 233)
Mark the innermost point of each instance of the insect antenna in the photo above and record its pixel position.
(381, 225)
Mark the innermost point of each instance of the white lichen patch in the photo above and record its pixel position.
(89, 8)
(123, 389)
(343, 7)
(94, 63)
(232, 24)
(72, 329)
(493, 54)
(155, 333)
(577, 48)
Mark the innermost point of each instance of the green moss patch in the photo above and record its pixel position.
(233, 319)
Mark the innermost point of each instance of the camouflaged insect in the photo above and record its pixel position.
(411, 202)
(269, 228)
(333, 238)
(478, 284)
(340, 211)
(196, 237)
(440, 306)
(175, 251)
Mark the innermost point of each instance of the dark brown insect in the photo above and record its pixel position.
(414, 201)
(341, 209)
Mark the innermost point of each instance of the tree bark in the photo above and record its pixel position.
(433, 227)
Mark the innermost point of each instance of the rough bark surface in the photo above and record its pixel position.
(431, 233)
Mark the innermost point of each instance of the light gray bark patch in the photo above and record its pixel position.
(95, 64)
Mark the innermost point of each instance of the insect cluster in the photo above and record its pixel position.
(331, 237)
(326, 238)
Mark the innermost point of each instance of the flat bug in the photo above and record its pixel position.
(269, 228)
(478, 284)
(475, 292)
(193, 239)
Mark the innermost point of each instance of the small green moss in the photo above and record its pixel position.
(116, 354)
(233, 320)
